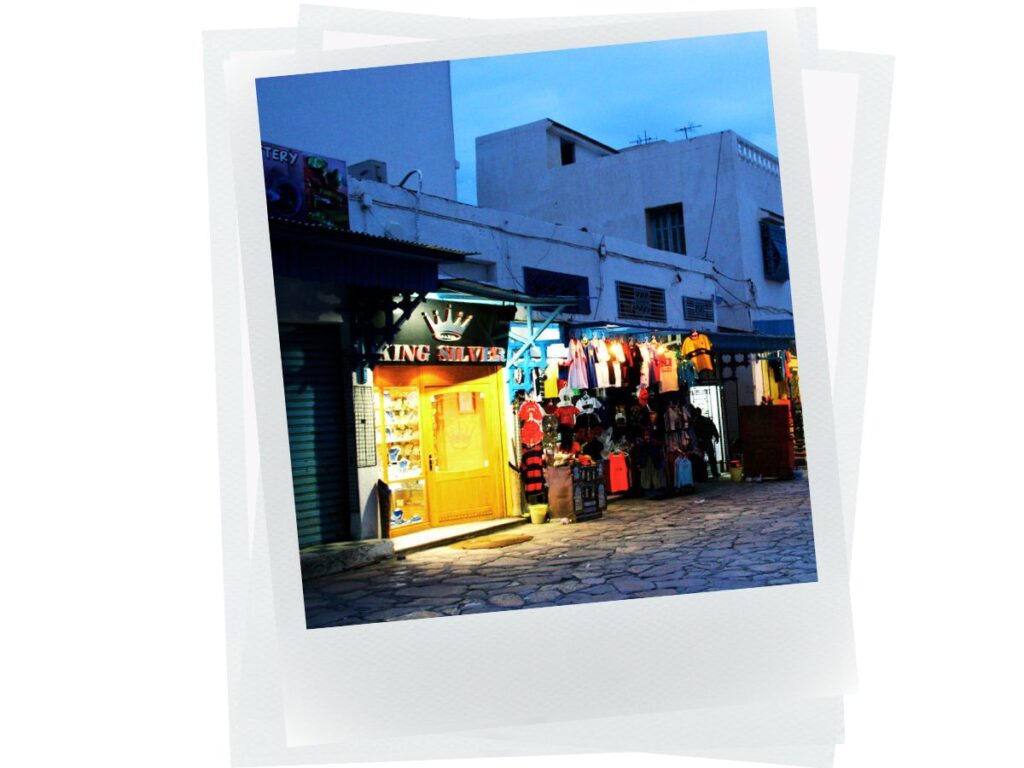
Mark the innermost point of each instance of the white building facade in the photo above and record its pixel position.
(714, 200)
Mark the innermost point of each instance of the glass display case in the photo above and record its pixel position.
(402, 456)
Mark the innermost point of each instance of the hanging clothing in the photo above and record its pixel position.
(687, 374)
(618, 471)
(673, 418)
(533, 470)
(531, 433)
(577, 366)
(567, 414)
(551, 379)
(646, 380)
(667, 373)
(683, 472)
(590, 349)
(602, 380)
(634, 364)
(652, 362)
(530, 410)
(618, 362)
(698, 350)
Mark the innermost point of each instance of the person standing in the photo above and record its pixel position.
(707, 436)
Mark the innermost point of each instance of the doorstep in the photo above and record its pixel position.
(449, 534)
(325, 559)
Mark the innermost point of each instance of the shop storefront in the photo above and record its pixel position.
(655, 411)
(438, 391)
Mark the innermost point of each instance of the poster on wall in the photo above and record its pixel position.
(306, 188)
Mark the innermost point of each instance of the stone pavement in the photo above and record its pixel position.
(725, 536)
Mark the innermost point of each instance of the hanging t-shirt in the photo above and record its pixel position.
(698, 350)
(566, 415)
(531, 411)
(667, 374)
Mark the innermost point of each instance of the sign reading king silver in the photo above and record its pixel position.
(444, 333)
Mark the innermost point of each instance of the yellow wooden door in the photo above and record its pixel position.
(464, 452)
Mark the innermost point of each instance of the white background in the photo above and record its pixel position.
(111, 553)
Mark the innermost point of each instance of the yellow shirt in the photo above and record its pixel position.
(551, 380)
(699, 351)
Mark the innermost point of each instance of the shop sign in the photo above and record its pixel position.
(307, 188)
(443, 332)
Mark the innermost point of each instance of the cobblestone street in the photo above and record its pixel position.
(725, 536)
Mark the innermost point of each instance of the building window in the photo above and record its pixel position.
(541, 282)
(665, 228)
(640, 302)
(773, 246)
(568, 152)
(700, 310)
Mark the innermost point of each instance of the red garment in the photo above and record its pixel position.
(618, 471)
(531, 433)
(531, 411)
(643, 395)
(566, 415)
(533, 471)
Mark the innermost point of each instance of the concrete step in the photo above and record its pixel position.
(449, 534)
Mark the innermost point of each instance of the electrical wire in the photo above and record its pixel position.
(714, 200)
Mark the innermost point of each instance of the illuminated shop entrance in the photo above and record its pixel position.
(441, 440)
(440, 443)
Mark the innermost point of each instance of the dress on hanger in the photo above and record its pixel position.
(590, 350)
(577, 366)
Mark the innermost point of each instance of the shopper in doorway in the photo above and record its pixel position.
(707, 436)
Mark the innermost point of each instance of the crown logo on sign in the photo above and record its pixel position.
(447, 329)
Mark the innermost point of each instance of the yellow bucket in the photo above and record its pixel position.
(736, 473)
(538, 513)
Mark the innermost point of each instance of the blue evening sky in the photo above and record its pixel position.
(615, 93)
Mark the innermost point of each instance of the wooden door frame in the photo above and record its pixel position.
(431, 378)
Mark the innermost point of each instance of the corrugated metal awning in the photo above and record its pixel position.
(355, 258)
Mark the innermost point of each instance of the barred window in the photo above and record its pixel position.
(701, 310)
(665, 229)
(641, 302)
(773, 246)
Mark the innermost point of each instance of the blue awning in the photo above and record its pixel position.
(782, 327)
(748, 342)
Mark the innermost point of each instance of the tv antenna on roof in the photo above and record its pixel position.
(685, 130)
(645, 139)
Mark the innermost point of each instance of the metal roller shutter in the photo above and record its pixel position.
(316, 408)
